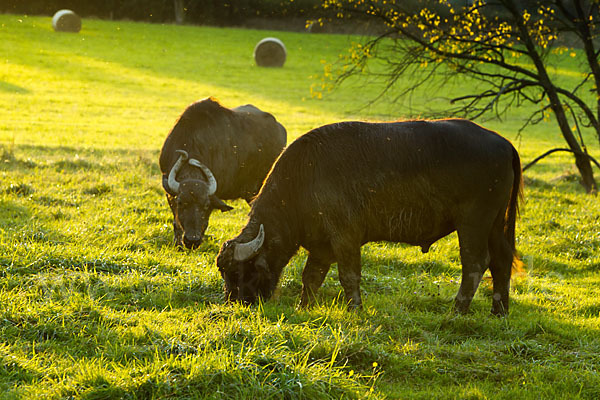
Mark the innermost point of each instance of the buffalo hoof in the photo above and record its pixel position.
(461, 308)
(307, 299)
(499, 310)
(303, 305)
(306, 304)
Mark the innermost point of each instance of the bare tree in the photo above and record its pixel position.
(504, 45)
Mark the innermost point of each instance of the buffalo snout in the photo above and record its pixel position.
(192, 241)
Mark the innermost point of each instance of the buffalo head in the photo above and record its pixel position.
(245, 270)
(192, 200)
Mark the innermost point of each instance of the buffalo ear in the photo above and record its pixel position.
(265, 288)
(261, 264)
(219, 204)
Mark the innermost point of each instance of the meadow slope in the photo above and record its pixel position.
(95, 302)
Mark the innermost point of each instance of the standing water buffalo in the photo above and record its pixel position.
(343, 185)
(215, 153)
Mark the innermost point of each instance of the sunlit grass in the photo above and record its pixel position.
(95, 302)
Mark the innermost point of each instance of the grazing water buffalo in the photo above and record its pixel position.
(215, 153)
(343, 185)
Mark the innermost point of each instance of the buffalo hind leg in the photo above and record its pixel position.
(475, 258)
(313, 275)
(349, 271)
(500, 266)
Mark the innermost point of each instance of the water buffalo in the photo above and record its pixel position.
(343, 185)
(213, 154)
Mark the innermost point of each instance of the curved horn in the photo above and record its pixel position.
(172, 182)
(244, 251)
(212, 182)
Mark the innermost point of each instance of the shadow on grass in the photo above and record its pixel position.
(462, 348)
(531, 182)
(238, 360)
(10, 88)
(542, 266)
(14, 370)
(14, 216)
(74, 159)
(151, 295)
(242, 380)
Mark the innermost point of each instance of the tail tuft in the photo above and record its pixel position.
(512, 212)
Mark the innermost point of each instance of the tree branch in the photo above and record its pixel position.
(535, 160)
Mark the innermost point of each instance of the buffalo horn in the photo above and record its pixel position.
(212, 182)
(172, 182)
(245, 251)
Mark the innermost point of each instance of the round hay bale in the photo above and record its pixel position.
(66, 21)
(270, 52)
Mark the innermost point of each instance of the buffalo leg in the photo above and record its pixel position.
(177, 232)
(349, 272)
(474, 257)
(313, 276)
(500, 266)
(177, 235)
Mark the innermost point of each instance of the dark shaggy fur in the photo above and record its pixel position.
(342, 185)
(238, 145)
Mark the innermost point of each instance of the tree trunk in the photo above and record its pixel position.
(581, 160)
(590, 52)
(179, 11)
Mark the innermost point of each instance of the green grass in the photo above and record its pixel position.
(95, 302)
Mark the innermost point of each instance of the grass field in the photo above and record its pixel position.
(95, 302)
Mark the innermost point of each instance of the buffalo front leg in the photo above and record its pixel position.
(475, 259)
(177, 231)
(349, 270)
(177, 235)
(313, 276)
